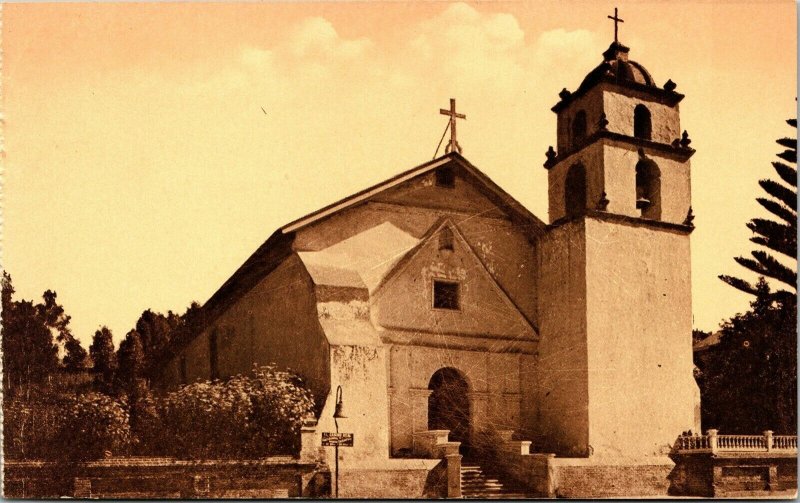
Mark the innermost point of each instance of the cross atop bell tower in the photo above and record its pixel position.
(616, 20)
(452, 145)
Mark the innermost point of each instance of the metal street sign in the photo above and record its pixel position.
(337, 439)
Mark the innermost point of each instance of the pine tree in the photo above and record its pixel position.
(778, 235)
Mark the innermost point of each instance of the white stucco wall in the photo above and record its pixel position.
(642, 392)
(562, 384)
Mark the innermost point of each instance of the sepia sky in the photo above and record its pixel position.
(140, 170)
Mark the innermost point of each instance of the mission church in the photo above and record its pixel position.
(438, 302)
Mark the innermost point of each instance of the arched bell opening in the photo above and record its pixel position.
(578, 129)
(642, 123)
(449, 407)
(575, 191)
(648, 189)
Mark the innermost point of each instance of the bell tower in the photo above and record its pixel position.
(615, 356)
(619, 146)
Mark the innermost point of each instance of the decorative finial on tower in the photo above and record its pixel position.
(453, 145)
(685, 141)
(551, 157)
(616, 20)
(689, 218)
(602, 204)
(602, 124)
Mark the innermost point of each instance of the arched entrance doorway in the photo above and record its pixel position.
(448, 406)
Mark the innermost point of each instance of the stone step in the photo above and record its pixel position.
(482, 483)
(482, 488)
(475, 484)
(509, 496)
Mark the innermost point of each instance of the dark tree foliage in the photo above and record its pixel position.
(75, 356)
(54, 316)
(30, 355)
(779, 235)
(131, 362)
(146, 346)
(699, 335)
(104, 358)
(749, 383)
(155, 331)
(164, 332)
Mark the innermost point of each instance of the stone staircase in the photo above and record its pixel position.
(475, 484)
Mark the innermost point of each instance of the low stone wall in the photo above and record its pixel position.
(532, 473)
(547, 476)
(395, 479)
(166, 478)
(734, 474)
(587, 478)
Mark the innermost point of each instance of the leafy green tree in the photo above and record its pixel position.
(180, 328)
(131, 360)
(749, 384)
(54, 316)
(104, 359)
(29, 352)
(75, 356)
(776, 235)
(155, 331)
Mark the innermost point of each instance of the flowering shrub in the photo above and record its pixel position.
(93, 424)
(243, 417)
(71, 427)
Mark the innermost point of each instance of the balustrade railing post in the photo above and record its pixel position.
(768, 438)
(712, 439)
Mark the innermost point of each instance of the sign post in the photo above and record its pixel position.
(337, 439)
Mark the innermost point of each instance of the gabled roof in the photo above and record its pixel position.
(280, 244)
(492, 190)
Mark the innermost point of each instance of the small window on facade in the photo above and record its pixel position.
(642, 124)
(578, 128)
(446, 295)
(445, 177)
(212, 355)
(183, 369)
(446, 239)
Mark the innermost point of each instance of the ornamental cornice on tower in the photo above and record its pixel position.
(618, 69)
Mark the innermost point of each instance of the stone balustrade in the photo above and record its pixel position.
(713, 442)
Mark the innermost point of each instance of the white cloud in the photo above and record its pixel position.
(316, 39)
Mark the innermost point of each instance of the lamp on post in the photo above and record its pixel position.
(338, 414)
